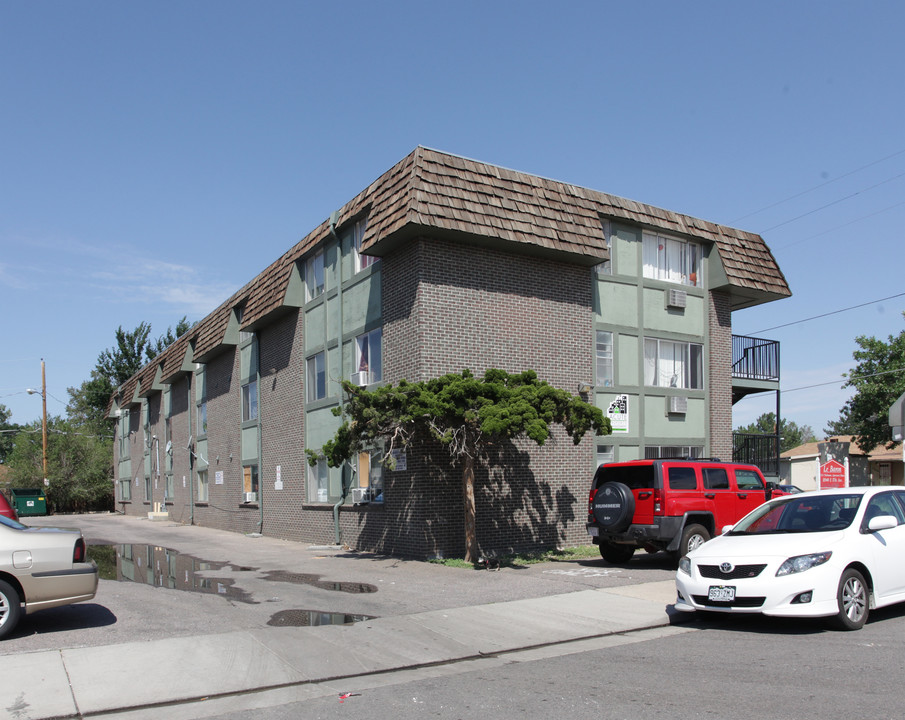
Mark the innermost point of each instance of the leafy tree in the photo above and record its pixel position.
(466, 414)
(7, 431)
(879, 380)
(791, 434)
(78, 466)
(120, 363)
(154, 349)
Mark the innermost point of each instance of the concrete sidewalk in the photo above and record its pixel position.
(85, 681)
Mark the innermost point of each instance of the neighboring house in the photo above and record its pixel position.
(441, 264)
(798, 466)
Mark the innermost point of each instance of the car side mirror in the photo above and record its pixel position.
(882, 522)
(726, 528)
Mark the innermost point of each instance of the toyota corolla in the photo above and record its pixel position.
(833, 553)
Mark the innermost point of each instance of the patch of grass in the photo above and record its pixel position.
(580, 552)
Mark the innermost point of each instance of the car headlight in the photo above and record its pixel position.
(800, 563)
(685, 565)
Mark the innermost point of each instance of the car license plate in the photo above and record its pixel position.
(721, 593)
(593, 532)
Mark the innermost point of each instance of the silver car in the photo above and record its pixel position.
(41, 568)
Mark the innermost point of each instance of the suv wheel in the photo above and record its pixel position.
(692, 537)
(614, 506)
(615, 553)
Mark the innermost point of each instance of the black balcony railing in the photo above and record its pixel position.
(754, 358)
(759, 450)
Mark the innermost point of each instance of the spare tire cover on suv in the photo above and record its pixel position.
(614, 506)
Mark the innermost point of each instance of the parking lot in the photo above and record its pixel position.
(175, 580)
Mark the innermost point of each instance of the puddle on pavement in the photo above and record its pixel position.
(315, 581)
(167, 568)
(312, 618)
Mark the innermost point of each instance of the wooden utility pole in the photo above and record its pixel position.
(44, 419)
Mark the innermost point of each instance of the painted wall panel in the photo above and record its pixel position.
(657, 317)
(617, 302)
(657, 424)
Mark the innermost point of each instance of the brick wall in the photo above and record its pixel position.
(450, 306)
(720, 328)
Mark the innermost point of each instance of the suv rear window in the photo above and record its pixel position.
(748, 480)
(682, 478)
(716, 478)
(636, 477)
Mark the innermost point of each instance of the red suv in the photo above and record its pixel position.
(669, 504)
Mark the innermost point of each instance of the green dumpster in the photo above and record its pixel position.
(29, 501)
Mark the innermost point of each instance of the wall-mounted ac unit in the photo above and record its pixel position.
(676, 298)
(361, 496)
(677, 405)
(361, 378)
(250, 497)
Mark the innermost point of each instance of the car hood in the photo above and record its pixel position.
(764, 546)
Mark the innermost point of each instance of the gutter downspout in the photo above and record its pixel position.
(257, 359)
(339, 299)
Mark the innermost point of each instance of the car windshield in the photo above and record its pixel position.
(9, 522)
(801, 513)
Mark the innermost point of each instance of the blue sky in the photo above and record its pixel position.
(154, 157)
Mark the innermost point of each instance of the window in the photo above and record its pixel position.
(670, 259)
(124, 435)
(148, 488)
(655, 452)
(203, 487)
(250, 479)
(170, 487)
(250, 401)
(605, 454)
(358, 233)
(367, 356)
(202, 418)
(318, 478)
(317, 377)
(683, 478)
(673, 364)
(717, 478)
(604, 359)
(314, 276)
(748, 480)
(370, 475)
(125, 489)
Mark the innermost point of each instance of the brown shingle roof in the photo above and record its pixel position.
(433, 192)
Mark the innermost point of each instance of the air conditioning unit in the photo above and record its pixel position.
(676, 298)
(251, 497)
(361, 496)
(361, 378)
(677, 405)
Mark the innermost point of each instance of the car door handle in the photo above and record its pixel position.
(710, 496)
(743, 495)
(644, 495)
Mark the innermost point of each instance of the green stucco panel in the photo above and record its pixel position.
(628, 359)
(657, 317)
(617, 303)
(659, 424)
(249, 444)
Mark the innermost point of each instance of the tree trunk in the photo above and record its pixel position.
(471, 539)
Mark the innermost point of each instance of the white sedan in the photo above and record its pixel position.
(832, 553)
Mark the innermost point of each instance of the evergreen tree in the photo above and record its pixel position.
(465, 414)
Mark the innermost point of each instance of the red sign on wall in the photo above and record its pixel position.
(833, 475)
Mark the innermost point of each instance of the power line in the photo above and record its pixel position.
(834, 312)
(845, 380)
(830, 204)
(817, 187)
(838, 227)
